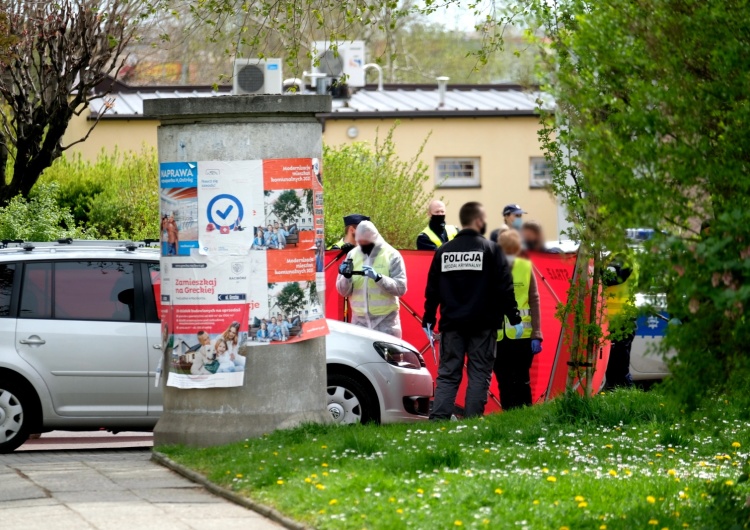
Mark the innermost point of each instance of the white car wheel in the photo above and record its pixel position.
(343, 405)
(13, 432)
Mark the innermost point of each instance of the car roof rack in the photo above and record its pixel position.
(79, 244)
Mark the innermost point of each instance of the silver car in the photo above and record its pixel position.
(80, 343)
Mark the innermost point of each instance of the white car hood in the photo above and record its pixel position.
(344, 328)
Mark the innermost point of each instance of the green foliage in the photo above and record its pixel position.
(38, 218)
(288, 206)
(291, 298)
(652, 126)
(116, 197)
(373, 181)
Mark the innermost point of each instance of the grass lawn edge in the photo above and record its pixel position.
(245, 502)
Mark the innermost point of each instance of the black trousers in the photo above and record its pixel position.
(512, 367)
(618, 367)
(479, 349)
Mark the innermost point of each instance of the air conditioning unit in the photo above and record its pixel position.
(348, 60)
(257, 76)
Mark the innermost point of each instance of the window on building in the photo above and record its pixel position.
(457, 172)
(541, 172)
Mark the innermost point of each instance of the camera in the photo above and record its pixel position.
(347, 271)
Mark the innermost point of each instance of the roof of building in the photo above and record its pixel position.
(393, 101)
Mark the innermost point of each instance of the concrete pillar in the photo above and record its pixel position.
(285, 384)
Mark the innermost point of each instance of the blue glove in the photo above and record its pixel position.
(370, 273)
(519, 330)
(428, 333)
(342, 268)
(536, 346)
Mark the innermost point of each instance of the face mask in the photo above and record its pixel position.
(510, 259)
(367, 248)
(483, 230)
(517, 223)
(437, 219)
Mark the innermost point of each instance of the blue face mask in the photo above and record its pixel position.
(517, 223)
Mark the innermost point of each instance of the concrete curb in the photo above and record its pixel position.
(265, 511)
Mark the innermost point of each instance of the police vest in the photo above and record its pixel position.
(521, 283)
(337, 245)
(450, 231)
(367, 296)
(618, 296)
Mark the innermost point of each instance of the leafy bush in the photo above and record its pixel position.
(372, 180)
(117, 196)
(38, 218)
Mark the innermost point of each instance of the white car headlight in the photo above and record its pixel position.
(398, 355)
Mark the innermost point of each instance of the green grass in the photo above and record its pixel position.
(618, 461)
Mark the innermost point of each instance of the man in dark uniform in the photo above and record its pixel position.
(471, 282)
(351, 222)
(436, 232)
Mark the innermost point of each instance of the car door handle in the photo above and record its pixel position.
(33, 341)
(156, 346)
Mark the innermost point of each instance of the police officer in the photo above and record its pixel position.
(515, 353)
(350, 225)
(620, 280)
(437, 232)
(513, 216)
(470, 280)
(373, 296)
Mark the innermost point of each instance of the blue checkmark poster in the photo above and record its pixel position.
(230, 196)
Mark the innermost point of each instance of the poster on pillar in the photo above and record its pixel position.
(242, 263)
(206, 323)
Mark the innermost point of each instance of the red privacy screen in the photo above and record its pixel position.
(549, 370)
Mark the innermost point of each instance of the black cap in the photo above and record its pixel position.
(513, 208)
(354, 219)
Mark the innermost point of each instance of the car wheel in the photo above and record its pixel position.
(15, 420)
(349, 401)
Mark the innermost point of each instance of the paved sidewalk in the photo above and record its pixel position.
(119, 489)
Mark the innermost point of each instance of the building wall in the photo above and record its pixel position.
(504, 146)
(126, 135)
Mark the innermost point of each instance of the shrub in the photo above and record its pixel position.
(117, 196)
(38, 218)
(372, 180)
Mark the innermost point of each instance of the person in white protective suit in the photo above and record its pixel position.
(374, 292)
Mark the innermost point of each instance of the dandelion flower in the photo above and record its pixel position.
(609, 446)
(729, 483)
(238, 475)
(400, 510)
(612, 473)
(321, 512)
(671, 472)
(279, 482)
(486, 450)
(499, 491)
(579, 498)
(324, 447)
(420, 491)
(551, 479)
(332, 502)
(320, 486)
(736, 445)
(325, 473)
(391, 499)
(457, 523)
(603, 527)
(485, 521)
(583, 504)
(564, 528)
(653, 522)
(324, 464)
(308, 480)
(651, 499)
(535, 502)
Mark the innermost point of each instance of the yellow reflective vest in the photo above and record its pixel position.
(367, 297)
(450, 231)
(337, 245)
(618, 296)
(521, 271)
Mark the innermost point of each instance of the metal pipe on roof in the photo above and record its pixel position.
(442, 86)
(380, 74)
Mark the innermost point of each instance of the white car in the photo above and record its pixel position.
(80, 342)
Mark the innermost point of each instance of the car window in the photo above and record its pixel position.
(94, 290)
(36, 294)
(7, 271)
(154, 300)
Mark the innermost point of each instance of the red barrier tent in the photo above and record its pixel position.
(549, 370)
